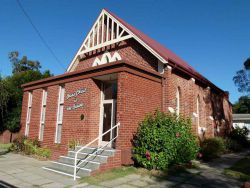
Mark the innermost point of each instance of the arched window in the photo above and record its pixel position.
(116, 57)
(96, 62)
(177, 101)
(198, 110)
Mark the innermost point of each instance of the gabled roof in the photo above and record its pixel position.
(162, 53)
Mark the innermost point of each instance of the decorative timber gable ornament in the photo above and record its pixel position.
(108, 29)
(107, 58)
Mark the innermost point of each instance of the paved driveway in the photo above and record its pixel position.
(21, 171)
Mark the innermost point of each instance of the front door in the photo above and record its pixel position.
(108, 113)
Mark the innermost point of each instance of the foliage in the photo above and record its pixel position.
(30, 147)
(18, 143)
(247, 64)
(242, 106)
(212, 148)
(11, 94)
(43, 152)
(72, 144)
(242, 78)
(162, 140)
(5, 148)
(240, 135)
(23, 64)
(232, 145)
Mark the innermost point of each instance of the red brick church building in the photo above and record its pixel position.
(117, 76)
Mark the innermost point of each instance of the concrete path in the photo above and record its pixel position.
(21, 171)
(207, 175)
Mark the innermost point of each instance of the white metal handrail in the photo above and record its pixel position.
(99, 137)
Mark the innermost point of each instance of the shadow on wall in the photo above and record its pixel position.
(222, 114)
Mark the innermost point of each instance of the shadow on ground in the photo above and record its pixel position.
(6, 185)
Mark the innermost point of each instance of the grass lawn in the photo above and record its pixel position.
(240, 170)
(127, 170)
(5, 146)
(108, 175)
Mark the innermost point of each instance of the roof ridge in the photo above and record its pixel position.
(163, 51)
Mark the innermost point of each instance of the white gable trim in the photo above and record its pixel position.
(122, 33)
(116, 57)
(106, 58)
(96, 62)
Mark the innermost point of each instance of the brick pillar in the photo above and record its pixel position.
(192, 104)
(208, 114)
(168, 88)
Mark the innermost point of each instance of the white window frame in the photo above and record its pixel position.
(28, 117)
(177, 102)
(42, 117)
(58, 121)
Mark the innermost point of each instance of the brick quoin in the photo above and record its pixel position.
(141, 89)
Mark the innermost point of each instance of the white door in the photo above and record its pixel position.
(108, 121)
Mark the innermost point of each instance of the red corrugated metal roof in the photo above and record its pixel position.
(165, 53)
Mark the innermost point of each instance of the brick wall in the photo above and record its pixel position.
(212, 105)
(137, 96)
(73, 128)
(129, 50)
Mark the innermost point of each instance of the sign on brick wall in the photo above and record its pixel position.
(75, 95)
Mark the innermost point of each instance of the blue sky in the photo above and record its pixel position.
(213, 36)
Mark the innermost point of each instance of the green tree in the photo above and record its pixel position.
(23, 64)
(242, 78)
(23, 71)
(242, 106)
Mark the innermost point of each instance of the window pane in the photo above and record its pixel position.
(59, 133)
(30, 100)
(60, 113)
(62, 95)
(27, 129)
(41, 132)
(28, 116)
(110, 91)
(43, 114)
(44, 97)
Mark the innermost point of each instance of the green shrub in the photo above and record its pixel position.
(30, 147)
(18, 144)
(162, 140)
(72, 144)
(240, 135)
(43, 152)
(232, 145)
(212, 148)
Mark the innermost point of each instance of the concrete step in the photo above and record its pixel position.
(91, 150)
(65, 164)
(91, 157)
(93, 165)
(59, 172)
(69, 169)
